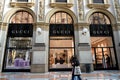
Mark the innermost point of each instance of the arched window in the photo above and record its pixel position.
(61, 41)
(61, 18)
(22, 17)
(99, 18)
(18, 42)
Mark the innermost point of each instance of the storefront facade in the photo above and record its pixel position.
(41, 36)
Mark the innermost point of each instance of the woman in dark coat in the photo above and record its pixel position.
(75, 62)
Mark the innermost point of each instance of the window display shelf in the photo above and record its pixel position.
(20, 43)
(24, 48)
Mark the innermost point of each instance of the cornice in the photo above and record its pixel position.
(83, 24)
(103, 6)
(19, 4)
(57, 4)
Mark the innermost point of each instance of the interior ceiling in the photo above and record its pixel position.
(95, 40)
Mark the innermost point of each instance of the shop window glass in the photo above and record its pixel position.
(22, 17)
(61, 18)
(102, 41)
(61, 50)
(61, 41)
(98, 1)
(18, 53)
(99, 18)
(18, 43)
(61, 0)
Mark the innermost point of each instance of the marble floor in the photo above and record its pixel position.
(96, 75)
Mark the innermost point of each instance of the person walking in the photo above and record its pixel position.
(108, 61)
(76, 68)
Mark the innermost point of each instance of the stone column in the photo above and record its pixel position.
(38, 58)
(84, 48)
(40, 50)
(117, 42)
(3, 34)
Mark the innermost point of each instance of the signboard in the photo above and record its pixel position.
(100, 30)
(20, 30)
(61, 30)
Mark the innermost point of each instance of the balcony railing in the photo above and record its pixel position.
(61, 3)
(24, 3)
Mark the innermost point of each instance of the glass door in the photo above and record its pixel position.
(61, 41)
(104, 58)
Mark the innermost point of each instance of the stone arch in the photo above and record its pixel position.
(107, 13)
(50, 13)
(10, 13)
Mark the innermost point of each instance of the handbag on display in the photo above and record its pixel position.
(77, 70)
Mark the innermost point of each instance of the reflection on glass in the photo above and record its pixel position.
(18, 53)
(20, 42)
(61, 18)
(60, 58)
(61, 50)
(18, 59)
(103, 50)
(99, 18)
(22, 17)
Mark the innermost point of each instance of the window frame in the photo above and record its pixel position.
(61, 0)
(98, 1)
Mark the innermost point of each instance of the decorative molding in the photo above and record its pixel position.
(81, 10)
(41, 10)
(117, 6)
(38, 47)
(58, 4)
(103, 6)
(118, 13)
(23, 4)
(84, 46)
(83, 24)
(0, 11)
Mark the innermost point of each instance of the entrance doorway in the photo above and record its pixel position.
(17, 57)
(61, 41)
(103, 49)
(103, 53)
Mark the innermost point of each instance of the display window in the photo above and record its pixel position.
(60, 58)
(61, 50)
(18, 53)
(102, 42)
(17, 56)
(103, 53)
(18, 59)
(61, 41)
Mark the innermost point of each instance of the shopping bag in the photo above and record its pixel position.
(77, 70)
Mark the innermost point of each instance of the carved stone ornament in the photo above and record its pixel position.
(0, 11)
(80, 9)
(41, 10)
